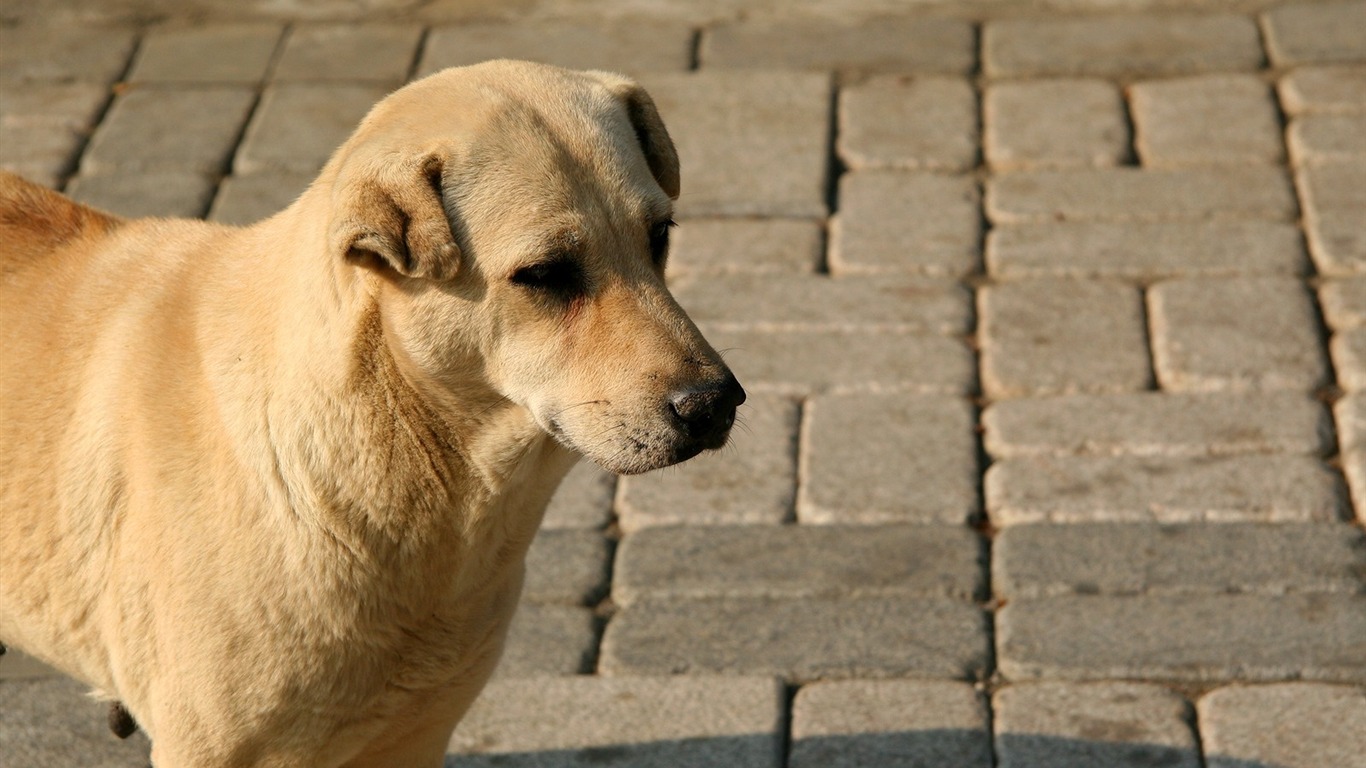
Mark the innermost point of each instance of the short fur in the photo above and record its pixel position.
(271, 487)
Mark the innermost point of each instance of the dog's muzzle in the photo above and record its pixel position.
(703, 414)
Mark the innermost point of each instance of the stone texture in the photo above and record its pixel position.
(1069, 725)
(17, 665)
(900, 222)
(798, 561)
(1191, 638)
(155, 193)
(578, 722)
(1332, 187)
(1268, 488)
(1236, 334)
(799, 640)
(1143, 250)
(1057, 123)
(802, 362)
(566, 566)
(819, 302)
(213, 53)
(1031, 561)
(248, 199)
(873, 459)
(547, 640)
(64, 52)
(1306, 33)
(298, 125)
(43, 125)
(583, 500)
(916, 123)
(890, 724)
(151, 128)
(1310, 90)
(1120, 45)
(1212, 119)
(743, 246)
(1349, 358)
(1133, 194)
(1337, 239)
(636, 46)
(1354, 467)
(1062, 337)
(53, 722)
(1158, 424)
(749, 143)
(1289, 725)
(881, 45)
(1327, 138)
(348, 52)
(1350, 415)
(753, 480)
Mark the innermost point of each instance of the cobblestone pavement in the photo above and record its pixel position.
(1054, 325)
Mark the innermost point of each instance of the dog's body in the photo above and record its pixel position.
(272, 487)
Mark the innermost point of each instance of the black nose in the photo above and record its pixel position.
(706, 411)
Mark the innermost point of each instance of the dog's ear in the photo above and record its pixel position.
(391, 216)
(660, 154)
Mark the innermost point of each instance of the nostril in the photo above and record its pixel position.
(691, 405)
(709, 408)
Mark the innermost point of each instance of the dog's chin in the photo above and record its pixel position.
(636, 455)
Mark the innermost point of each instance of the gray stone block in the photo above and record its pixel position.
(1134, 194)
(209, 53)
(1146, 250)
(1354, 467)
(1306, 33)
(548, 640)
(54, 722)
(1349, 358)
(1057, 123)
(580, 722)
(1120, 45)
(152, 128)
(1211, 119)
(889, 724)
(64, 52)
(583, 500)
(1337, 239)
(753, 480)
(621, 46)
(1332, 187)
(872, 459)
(298, 125)
(154, 193)
(1244, 333)
(566, 566)
(925, 123)
(247, 199)
(1188, 638)
(1288, 725)
(799, 640)
(744, 246)
(1158, 424)
(808, 362)
(1310, 90)
(1318, 139)
(798, 561)
(1145, 558)
(43, 125)
(17, 665)
(348, 52)
(818, 302)
(1166, 490)
(1113, 724)
(879, 45)
(900, 222)
(1062, 337)
(1350, 415)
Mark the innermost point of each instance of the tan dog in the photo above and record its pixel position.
(272, 487)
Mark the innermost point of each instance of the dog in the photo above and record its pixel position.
(271, 487)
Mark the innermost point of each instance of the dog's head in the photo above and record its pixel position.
(514, 221)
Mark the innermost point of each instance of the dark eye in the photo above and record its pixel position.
(560, 276)
(659, 241)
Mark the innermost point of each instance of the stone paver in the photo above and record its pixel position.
(549, 640)
(1257, 488)
(1133, 194)
(906, 222)
(798, 561)
(1310, 90)
(1120, 45)
(1144, 250)
(1349, 358)
(1150, 559)
(578, 722)
(1299, 33)
(872, 459)
(1062, 336)
(1289, 725)
(1236, 334)
(1211, 119)
(1121, 725)
(42, 125)
(890, 724)
(247, 199)
(1191, 638)
(634, 47)
(153, 128)
(95, 54)
(566, 566)
(298, 125)
(914, 123)
(1328, 138)
(583, 500)
(741, 246)
(155, 193)
(1158, 424)
(879, 45)
(346, 52)
(53, 722)
(1350, 415)
(798, 640)
(1334, 197)
(17, 665)
(218, 53)
(753, 480)
(1055, 123)
(1332, 187)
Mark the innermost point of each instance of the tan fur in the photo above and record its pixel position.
(271, 487)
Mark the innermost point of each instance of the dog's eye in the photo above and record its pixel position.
(559, 276)
(659, 241)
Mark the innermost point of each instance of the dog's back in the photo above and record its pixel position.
(35, 222)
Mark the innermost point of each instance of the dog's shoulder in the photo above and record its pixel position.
(35, 221)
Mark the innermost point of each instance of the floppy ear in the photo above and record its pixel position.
(392, 216)
(654, 140)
